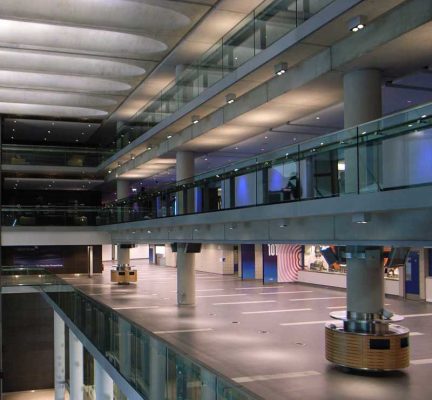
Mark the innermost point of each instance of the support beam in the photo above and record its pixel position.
(104, 386)
(59, 358)
(76, 368)
(185, 276)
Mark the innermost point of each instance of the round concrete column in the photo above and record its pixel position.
(122, 189)
(185, 165)
(76, 368)
(104, 386)
(365, 283)
(123, 255)
(185, 276)
(362, 96)
(185, 170)
(59, 358)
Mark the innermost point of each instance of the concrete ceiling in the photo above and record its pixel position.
(82, 58)
(321, 98)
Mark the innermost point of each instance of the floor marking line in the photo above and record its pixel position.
(300, 291)
(319, 298)
(207, 290)
(417, 315)
(245, 302)
(220, 295)
(184, 331)
(305, 323)
(276, 311)
(422, 361)
(337, 307)
(259, 287)
(287, 375)
(134, 308)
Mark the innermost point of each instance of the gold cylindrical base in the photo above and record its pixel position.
(367, 351)
(124, 277)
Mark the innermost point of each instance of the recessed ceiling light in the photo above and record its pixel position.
(13, 130)
(195, 119)
(265, 137)
(49, 131)
(76, 140)
(262, 149)
(280, 68)
(236, 148)
(89, 125)
(149, 148)
(230, 98)
(169, 136)
(424, 116)
(357, 23)
(14, 122)
(12, 137)
(45, 139)
(317, 118)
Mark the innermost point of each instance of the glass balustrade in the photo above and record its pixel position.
(256, 32)
(41, 215)
(155, 369)
(390, 153)
(53, 156)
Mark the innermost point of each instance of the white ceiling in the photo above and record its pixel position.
(82, 58)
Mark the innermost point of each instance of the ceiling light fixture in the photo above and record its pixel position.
(360, 218)
(132, 156)
(357, 23)
(281, 68)
(195, 119)
(230, 98)
(169, 136)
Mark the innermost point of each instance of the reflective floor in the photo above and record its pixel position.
(30, 395)
(270, 339)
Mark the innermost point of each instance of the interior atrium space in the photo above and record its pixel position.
(215, 199)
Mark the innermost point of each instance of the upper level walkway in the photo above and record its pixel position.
(268, 339)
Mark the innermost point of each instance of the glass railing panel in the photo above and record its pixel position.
(50, 216)
(225, 391)
(308, 8)
(328, 165)
(396, 155)
(281, 181)
(211, 66)
(187, 380)
(239, 44)
(55, 156)
(274, 20)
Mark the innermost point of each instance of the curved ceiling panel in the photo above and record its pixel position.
(124, 14)
(51, 111)
(66, 64)
(34, 35)
(60, 82)
(9, 95)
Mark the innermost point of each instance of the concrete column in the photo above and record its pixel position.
(122, 189)
(185, 276)
(158, 370)
(362, 96)
(362, 103)
(90, 260)
(365, 282)
(185, 170)
(59, 358)
(185, 165)
(76, 368)
(123, 255)
(113, 252)
(104, 386)
(259, 267)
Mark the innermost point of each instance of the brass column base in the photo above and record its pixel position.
(366, 351)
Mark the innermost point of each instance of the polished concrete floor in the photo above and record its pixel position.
(271, 339)
(47, 394)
